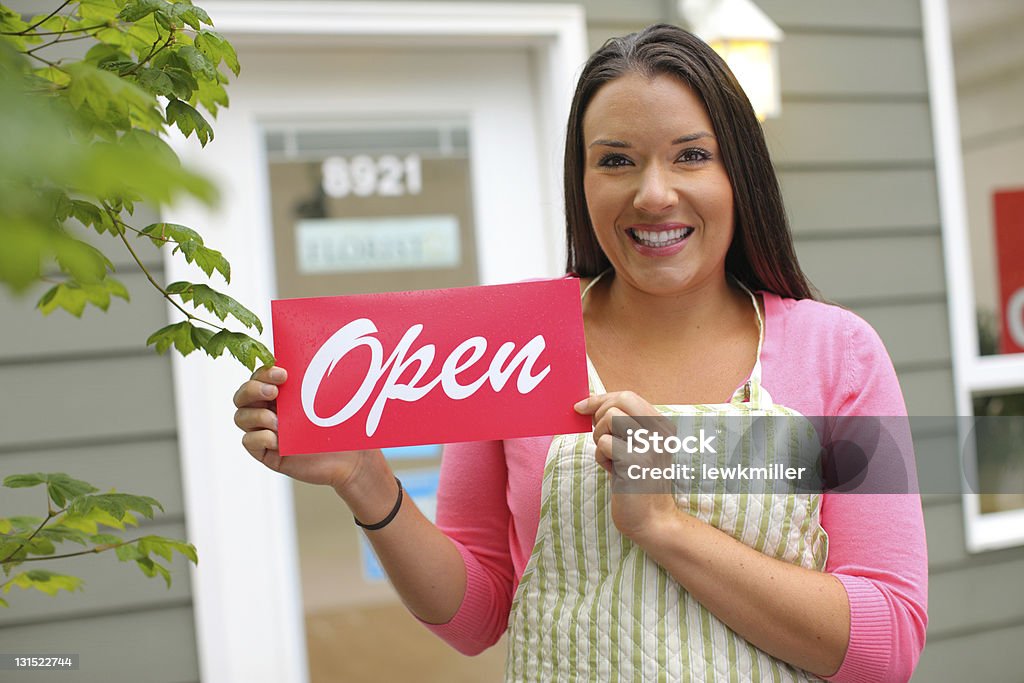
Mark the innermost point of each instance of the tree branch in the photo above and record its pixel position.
(50, 514)
(189, 316)
(153, 51)
(92, 551)
(43, 20)
(59, 40)
(61, 32)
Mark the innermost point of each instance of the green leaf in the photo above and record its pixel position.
(151, 569)
(162, 233)
(24, 248)
(166, 547)
(141, 550)
(188, 120)
(216, 49)
(81, 260)
(197, 62)
(22, 481)
(25, 523)
(61, 488)
(89, 521)
(221, 305)
(101, 54)
(178, 335)
(244, 348)
(11, 21)
(207, 259)
(107, 95)
(72, 296)
(44, 581)
(99, 11)
(193, 16)
(118, 505)
(211, 95)
(138, 9)
(92, 216)
(40, 546)
(201, 336)
(167, 21)
(59, 534)
(54, 74)
(5, 526)
(183, 83)
(156, 82)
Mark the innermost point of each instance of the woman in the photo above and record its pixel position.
(674, 221)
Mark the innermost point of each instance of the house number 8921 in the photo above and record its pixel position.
(364, 176)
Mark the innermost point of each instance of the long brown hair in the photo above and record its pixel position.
(761, 255)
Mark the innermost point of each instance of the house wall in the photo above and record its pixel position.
(854, 152)
(86, 397)
(977, 608)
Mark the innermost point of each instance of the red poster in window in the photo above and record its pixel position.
(1009, 215)
(435, 366)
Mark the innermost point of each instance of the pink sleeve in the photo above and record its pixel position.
(877, 541)
(473, 512)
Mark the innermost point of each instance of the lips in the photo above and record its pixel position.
(659, 237)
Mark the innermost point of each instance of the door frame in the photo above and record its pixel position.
(246, 594)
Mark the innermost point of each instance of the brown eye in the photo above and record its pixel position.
(695, 155)
(613, 161)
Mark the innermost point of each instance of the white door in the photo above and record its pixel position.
(497, 101)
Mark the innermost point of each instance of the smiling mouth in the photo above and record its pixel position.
(659, 238)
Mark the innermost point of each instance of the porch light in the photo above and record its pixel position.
(748, 40)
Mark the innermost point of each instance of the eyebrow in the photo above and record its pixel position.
(619, 144)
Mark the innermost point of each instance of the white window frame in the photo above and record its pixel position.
(973, 374)
(246, 592)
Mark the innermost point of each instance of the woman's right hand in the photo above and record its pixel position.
(256, 415)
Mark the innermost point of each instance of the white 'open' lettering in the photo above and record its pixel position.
(359, 333)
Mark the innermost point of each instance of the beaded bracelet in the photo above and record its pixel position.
(391, 515)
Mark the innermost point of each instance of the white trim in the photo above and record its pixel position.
(248, 610)
(971, 373)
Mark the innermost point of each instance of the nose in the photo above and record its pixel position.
(655, 193)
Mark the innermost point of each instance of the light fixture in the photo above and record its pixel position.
(748, 40)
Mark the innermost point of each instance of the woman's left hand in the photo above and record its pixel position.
(639, 506)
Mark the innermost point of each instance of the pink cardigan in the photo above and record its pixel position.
(817, 359)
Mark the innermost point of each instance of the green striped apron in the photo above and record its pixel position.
(591, 605)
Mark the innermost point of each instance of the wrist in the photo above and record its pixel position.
(374, 526)
(665, 534)
(370, 490)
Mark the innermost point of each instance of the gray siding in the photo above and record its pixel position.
(855, 157)
(87, 398)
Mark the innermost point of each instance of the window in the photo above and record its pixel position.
(975, 69)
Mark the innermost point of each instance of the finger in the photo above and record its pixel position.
(271, 374)
(253, 419)
(615, 422)
(603, 454)
(260, 443)
(588, 405)
(628, 402)
(255, 393)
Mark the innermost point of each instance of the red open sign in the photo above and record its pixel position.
(1009, 219)
(434, 366)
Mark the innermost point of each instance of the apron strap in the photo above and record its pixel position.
(596, 385)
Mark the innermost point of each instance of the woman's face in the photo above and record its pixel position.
(657, 190)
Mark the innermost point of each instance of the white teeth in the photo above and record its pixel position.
(661, 238)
